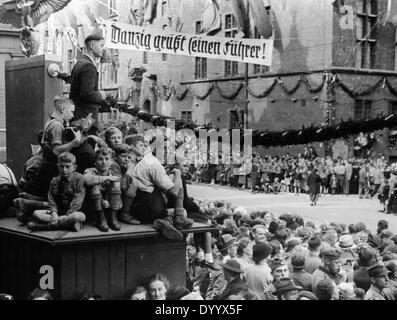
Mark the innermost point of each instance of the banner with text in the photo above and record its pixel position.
(131, 37)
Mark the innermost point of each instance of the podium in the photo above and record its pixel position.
(30, 93)
(89, 261)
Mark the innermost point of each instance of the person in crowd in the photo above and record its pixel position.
(286, 289)
(157, 286)
(366, 259)
(379, 281)
(314, 182)
(103, 190)
(8, 190)
(228, 247)
(113, 137)
(348, 175)
(244, 253)
(298, 273)
(391, 290)
(84, 87)
(383, 194)
(330, 269)
(154, 190)
(326, 290)
(65, 198)
(232, 272)
(258, 275)
(137, 293)
(40, 294)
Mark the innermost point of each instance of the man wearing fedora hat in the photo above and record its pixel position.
(232, 271)
(227, 247)
(286, 289)
(259, 275)
(379, 281)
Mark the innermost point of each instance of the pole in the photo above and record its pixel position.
(246, 68)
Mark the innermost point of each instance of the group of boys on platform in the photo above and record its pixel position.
(75, 174)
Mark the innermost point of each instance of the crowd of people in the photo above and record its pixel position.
(374, 177)
(258, 256)
(82, 174)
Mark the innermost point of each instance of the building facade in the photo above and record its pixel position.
(332, 60)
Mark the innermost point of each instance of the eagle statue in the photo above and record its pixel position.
(29, 13)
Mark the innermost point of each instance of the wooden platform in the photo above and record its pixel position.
(96, 262)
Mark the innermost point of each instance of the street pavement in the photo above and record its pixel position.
(330, 208)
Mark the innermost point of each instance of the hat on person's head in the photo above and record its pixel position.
(332, 253)
(304, 233)
(259, 226)
(346, 242)
(277, 263)
(176, 292)
(227, 241)
(232, 265)
(261, 251)
(292, 243)
(377, 271)
(285, 284)
(308, 295)
(298, 261)
(386, 234)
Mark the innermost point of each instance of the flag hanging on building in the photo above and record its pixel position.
(150, 10)
(391, 13)
(261, 17)
(212, 18)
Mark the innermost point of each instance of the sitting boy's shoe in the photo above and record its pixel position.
(76, 227)
(113, 223)
(180, 219)
(167, 229)
(127, 219)
(101, 222)
(35, 226)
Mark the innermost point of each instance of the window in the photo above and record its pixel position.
(257, 67)
(145, 58)
(200, 68)
(393, 107)
(164, 57)
(367, 11)
(70, 60)
(186, 115)
(231, 67)
(236, 118)
(200, 64)
(362, 109)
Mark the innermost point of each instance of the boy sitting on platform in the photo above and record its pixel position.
(104, 190)
(120, 168)
(65, 197)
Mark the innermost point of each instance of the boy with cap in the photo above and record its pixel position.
(298, 273)
(259, 275)
(279, 271)
(379, 281)
(331, 268)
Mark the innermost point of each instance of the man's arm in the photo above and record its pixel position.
(58, 147)
(87, 89)
(91, 179)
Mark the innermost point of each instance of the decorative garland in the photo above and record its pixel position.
(266, 138)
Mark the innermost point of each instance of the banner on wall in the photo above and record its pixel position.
(131, 37)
